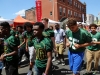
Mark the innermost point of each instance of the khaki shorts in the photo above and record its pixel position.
(60, 48)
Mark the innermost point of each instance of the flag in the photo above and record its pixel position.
(38, 10)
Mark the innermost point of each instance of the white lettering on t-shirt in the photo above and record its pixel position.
(94, 40)
(72, 42)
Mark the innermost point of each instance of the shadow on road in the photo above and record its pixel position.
(24, 64)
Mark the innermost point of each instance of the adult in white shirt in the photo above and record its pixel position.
(60, 43)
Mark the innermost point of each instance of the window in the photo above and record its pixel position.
(63, 0)
(80, 15)
(74, 3)
(60, 10)
(70, 1)
(69, 12)
(51, 13)
(80, 7)
(74, 14)
(64, 11)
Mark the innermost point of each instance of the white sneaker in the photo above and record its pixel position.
(29, 72)
(54, 59)
(63, 64)
(58, 62)
(3, 67)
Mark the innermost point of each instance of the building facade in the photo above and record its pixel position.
(58, 9)
(96, 20)
(90, 19)
(30, 14)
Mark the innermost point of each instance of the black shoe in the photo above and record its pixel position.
(83, 65)
(88, 74)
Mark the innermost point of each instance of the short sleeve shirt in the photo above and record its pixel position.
(9, 44)
(45, 45)
(79, 37)
(95, 37)
(48, 33)
(29, 37)
(59, 35)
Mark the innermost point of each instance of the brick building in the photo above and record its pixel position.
(30, 14)
(58, 9)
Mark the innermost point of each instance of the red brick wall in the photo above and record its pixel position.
(30, 15)
(49, 6)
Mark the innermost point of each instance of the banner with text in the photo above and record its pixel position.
(38, 10)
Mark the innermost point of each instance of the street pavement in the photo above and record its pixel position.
(58, 69)
(64, 70)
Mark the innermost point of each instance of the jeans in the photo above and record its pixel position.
(40, 71)
(11, 67)
(22, 51)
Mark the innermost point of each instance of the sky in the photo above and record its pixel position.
(9, 9)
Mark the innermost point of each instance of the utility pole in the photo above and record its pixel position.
(53, 9)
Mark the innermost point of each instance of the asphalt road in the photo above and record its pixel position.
(59, 69)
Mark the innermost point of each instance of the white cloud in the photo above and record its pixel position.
(1, 17)
(21, 12)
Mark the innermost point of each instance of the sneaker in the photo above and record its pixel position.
(63, 63)
(29, 72)
(94, 73)
(58, 62)
(4, 67)
(54, 59)
(23, 60)
(83, 65)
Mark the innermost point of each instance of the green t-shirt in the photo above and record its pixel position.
(29, 37)
(45, 45)
(79, 37)
(17, 32)
(9, 44)
(21, 38)
(95, 37)
(48, 33)
(12, 32)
